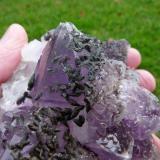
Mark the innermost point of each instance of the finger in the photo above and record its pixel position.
(147, 80)
(133, 58)
(10, 48)
(156, 141)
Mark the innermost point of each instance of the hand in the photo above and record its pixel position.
(16, 37)
(146, 78)
(10, 47)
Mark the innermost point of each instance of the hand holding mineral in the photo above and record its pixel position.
(15, 38)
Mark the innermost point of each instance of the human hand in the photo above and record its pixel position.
(16, 37)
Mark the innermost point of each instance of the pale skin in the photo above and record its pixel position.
(16, 37)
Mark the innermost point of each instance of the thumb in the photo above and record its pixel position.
(156, 141)
(10, 50)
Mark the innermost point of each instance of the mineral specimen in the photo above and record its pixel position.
(82, 103)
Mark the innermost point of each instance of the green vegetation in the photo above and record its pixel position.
(138, 21)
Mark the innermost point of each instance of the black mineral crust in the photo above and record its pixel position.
(36, 130)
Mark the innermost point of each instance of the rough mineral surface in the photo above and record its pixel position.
(82, 103)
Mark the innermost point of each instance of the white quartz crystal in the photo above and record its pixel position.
(15, 87)
(32, 51)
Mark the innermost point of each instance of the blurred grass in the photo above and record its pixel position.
(138, 21)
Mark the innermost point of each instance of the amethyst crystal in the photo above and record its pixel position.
(82, 103)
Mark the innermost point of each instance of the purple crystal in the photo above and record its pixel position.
(86, 105)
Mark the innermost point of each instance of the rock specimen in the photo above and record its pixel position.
(82, 103)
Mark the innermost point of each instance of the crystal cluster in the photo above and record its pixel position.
(81, 103)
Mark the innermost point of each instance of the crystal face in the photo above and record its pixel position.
(81, 103)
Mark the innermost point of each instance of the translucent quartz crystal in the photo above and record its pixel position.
(82, 103)
(15, 87)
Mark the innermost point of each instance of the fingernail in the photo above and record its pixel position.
(147, 80)
(14, 28)
(7, 33)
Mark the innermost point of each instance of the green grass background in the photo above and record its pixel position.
(138, 21)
